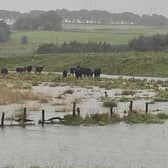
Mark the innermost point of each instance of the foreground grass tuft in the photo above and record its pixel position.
(136, 117)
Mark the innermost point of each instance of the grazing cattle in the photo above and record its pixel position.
(20, 69)
(4, 71)
(97, 73)
(87, 72)
(39, 69)
(72, 70)
(29, 68)
(65, 73)
(78, 72)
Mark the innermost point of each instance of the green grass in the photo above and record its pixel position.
(162, 116)
(138, 118)
(129, 63)
(105, 119)
(109, 103)
(94, 119)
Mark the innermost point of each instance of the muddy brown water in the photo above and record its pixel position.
(119, 145)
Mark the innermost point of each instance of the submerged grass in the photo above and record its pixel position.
(95, 119)
(106, 119)
(109, 103)
(136, 118)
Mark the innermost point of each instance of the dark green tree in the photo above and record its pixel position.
(4, 32)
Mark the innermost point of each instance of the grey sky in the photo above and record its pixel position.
(136, 6)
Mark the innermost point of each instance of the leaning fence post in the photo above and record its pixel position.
(131, 106)
(74, 109)
(146, 108)
(43, 117)
(2, 119)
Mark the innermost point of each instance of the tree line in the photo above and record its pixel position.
(50, 20)
(142, 43)
(86, 16)
(75, 46)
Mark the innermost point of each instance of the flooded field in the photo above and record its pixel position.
(119, 145)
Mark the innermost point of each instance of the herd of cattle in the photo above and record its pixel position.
(78, 71)
(24, 69)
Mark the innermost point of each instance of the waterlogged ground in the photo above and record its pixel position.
(90, 100)
(119, 145)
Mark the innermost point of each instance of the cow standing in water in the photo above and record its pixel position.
(39, 69)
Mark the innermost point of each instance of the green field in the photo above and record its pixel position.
(114, 34)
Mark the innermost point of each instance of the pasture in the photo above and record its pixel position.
(114, 34)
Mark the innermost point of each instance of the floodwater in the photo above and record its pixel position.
(58, 146)
(118, 146)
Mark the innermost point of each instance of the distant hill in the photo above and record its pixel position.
(93, 17)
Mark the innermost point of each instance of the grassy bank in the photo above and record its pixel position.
(131, 63)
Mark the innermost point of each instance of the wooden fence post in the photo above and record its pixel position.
(2, 119)
(131, 106)
(146, 108)
(23, 117)
(78, 111)
(111, 111)
(74, 109)
(43, 117)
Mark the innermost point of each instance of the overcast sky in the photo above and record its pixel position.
(136, 6)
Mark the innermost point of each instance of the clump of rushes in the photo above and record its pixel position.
(109, 103)
(95, 119)
(101, 119)
(136, 117)
(162, 116)
(162, 95)
(128, 92)
(72, 120)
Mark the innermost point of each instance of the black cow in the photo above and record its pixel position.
(97, 73)
(86, 72)
(29, 68)
(78, 72)
(72, 70)
(39, 69)
(65, 73)
(4, 71)
(20, 69)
